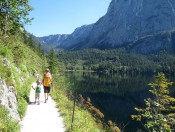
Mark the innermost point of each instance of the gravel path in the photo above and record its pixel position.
(42, 118)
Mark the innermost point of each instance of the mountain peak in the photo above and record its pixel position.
(126, 22)
(129, 20)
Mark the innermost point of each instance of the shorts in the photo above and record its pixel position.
(46, 89)
(37, 95)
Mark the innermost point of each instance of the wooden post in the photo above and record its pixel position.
(73, 111)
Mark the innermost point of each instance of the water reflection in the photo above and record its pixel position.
(115, 95)
(114, 84)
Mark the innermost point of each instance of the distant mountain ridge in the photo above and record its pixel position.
(52, 40)
(79, 35)
(142, 26)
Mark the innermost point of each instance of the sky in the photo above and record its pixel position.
(64, 16)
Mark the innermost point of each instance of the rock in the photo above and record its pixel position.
(36, 74)
(8, 99)
(5, 62)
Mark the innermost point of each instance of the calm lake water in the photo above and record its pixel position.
(115, 95)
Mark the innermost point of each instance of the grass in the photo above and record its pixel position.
(83, 120)
(7, 124)
(23, 96)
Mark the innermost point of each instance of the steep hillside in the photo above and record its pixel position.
(20, 66)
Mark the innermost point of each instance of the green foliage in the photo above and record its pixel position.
(13, 14)
(19, 54)
(23, 96)
(117, 60)
(83, 120)
(159, 112)
(53, 61)
(5, 51)
(7, 124)
(6, 74)
(22, 107)
(33, 43)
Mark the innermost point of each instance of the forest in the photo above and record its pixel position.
(117, 61)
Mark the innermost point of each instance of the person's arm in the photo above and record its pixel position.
(33, 87)
(43, 80)
(50, 78)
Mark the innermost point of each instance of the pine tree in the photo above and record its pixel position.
(53, 61)
(159, 114)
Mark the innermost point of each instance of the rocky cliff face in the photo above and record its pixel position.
(9, 100)
(8, 97)
(128, 22)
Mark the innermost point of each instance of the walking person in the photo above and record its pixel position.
(37, 91)
(47, 80)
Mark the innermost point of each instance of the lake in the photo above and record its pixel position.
(114, 94)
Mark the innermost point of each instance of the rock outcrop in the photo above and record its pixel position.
(9, 100)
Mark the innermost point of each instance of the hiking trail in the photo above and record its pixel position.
(42, 118)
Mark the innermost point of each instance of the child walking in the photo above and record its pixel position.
(37, 91)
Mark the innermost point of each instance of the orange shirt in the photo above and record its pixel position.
(47, 79)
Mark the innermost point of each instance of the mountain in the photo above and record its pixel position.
(64, 41)
(79, 35)
(141, 26)
(144, 24)
(52, 40)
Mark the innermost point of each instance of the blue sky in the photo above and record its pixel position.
(63, 16)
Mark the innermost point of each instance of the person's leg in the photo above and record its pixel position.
(48, 93)
(45, 94)
(47, 97)
(35, 98)
(38, 99)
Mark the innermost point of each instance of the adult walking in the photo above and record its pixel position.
(47, 80)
